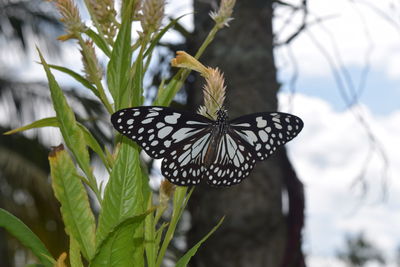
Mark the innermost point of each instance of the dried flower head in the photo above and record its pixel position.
(166, 191)
(70, 18)
(137, 7)
(91, 66)
(105, 14)
(223, 16)
(214, 93)
(153, 14)
(214, 89)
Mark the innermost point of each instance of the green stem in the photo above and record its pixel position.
(97, 82)
(179, 78)
(179, 206)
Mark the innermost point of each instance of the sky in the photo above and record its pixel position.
(329, 153)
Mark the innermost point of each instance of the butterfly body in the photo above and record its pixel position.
(196, 148)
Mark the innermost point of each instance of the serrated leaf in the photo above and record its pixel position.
(75, 209)
(188, 255)
(23, 234)
(100, 42)
(79, 78)
(70, 131)
(118, 68)
(124, 194)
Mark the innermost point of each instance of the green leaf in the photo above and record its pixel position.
(138, 82)
(95, 146)
(20, 231)
(70, 131)
(119, 246)
(124, 196)
(150, 237)
(188, 255)
(100, 42)
(120, 63)
(74, 253)
(77, 77)
(53, 122)
(46, 122)
(75, 209)
(155, 41)
(167, 94)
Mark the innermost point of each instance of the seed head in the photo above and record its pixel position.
(91, 66)
(105, 14)
(70, 18)
(153, 14)
(223, 16)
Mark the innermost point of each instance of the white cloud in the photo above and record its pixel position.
(352, 28)
(328, 155)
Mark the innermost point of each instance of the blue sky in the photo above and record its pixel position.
(381, 93)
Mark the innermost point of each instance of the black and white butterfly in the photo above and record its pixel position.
(196, 148)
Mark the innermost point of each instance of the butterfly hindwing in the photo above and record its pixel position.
(185, 162)
(264, 132)
(233, 163)
(157, 129)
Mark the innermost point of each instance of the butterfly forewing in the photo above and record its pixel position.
(158, 129)
(264, 132)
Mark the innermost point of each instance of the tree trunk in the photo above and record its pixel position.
(255, 232)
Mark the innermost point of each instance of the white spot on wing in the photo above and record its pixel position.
(263, 135)
(183, 133)
(146, 121)
(261, 123)
(172, 119)
(164, 132)
(251, 137)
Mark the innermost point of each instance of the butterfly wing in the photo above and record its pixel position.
(185, 163)
(157, 129)
(233, 162)
(264, 132)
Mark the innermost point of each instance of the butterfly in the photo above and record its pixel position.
(196, 148)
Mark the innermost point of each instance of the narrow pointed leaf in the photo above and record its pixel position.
(53, 122)
(120, 62)
(79, 78)
(46, 122)
(183, 262)
(155, 41)
(75, 209)
(70, 131)
(22, 233)
(100, 42)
